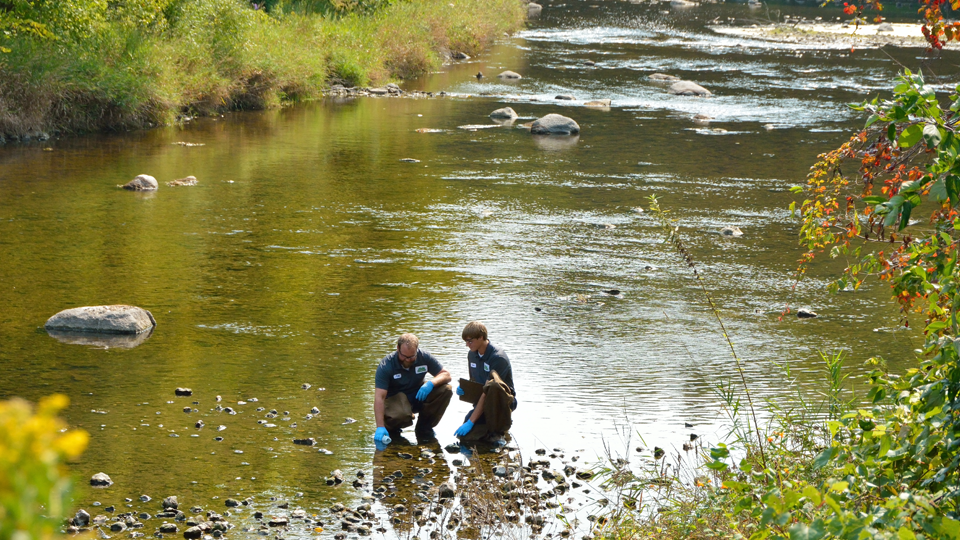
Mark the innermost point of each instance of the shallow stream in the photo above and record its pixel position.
(309, 246)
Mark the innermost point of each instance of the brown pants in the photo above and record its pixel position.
(398, 413)
(497, 414)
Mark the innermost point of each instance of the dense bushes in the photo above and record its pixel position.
(82, 65)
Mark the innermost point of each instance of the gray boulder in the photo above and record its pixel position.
(509, 75)
(554, 124)
(143, 182)
(533, 9)
(687, 88)
(114, 319)
(731, 231)
(506, 113)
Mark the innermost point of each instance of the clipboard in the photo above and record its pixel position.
(471, 391)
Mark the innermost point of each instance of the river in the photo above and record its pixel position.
(309, 246)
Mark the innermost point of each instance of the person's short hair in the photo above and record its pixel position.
(474, 330)
(408, 339)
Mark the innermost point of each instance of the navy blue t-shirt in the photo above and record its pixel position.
(393, 378)
(493, 359)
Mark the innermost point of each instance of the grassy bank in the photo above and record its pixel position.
(111, 69)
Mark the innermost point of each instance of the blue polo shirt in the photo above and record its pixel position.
(393, 378)
(493, 359)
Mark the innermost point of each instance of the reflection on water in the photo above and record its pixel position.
(308, 246)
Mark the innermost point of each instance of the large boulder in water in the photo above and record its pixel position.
(116, 319)
(509, 76)
(554, 124)
(534, 9)
(143, 182)
(687, 88)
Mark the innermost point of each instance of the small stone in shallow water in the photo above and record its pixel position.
(305, 386)
(348, 420)
(100, 480)
(183, 392)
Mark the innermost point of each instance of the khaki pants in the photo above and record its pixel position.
(398, 412)
(497, 413)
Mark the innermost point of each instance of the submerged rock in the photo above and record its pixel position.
(554, 124)
(112, 319)
(731, 231)
(188, 181)
(509, 75)
(806, 314)
(663, 77)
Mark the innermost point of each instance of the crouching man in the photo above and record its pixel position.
(494, 396)
(402, 393)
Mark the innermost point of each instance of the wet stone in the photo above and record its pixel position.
(232, 503)
(171, 502)
(183, 392)
(100, 480)
(81, 519)
(278, 521)
(168, 528)
(118, 527)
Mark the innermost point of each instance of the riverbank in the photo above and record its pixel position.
(211, 57)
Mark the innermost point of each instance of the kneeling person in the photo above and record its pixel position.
(489, 366)
(401, 391)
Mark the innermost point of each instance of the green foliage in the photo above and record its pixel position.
(33, 485)
(84, 65)
(52, 19)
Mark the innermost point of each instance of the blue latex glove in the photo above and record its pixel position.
(380, 434)
(425, 391)
(460, 391)
(464, 429)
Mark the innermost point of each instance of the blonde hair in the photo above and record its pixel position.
(474, 330)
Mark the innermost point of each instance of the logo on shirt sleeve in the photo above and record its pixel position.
(396, 376)
(421, 369)
(486, 366)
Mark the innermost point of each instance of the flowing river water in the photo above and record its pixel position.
(309, 246)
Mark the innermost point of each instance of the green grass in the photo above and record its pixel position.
(209, 56)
